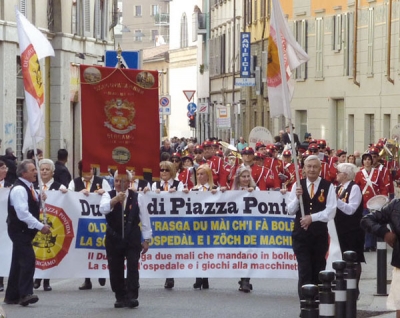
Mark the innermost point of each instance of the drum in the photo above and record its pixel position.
(377, 202)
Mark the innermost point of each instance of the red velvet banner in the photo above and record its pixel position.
(120, 119)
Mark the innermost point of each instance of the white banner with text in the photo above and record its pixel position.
(231, 234)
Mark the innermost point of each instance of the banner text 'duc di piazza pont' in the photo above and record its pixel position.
(229, 234)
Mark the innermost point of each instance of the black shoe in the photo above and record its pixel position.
(47, 288)
(119, 304)
(245, 286)
(85, 286)
(205, 283)
(11, 302)
(102, 281)
(198, 284)
(367, 249)
(1, 287)
(132, 303)
(36, 283)
(373, 249)
(28, 299)
(169, 283)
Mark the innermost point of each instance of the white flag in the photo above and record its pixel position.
(33, 47)
(280, 90)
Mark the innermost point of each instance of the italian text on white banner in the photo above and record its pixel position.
(231, 234)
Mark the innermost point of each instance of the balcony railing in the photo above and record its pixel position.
(161, 19)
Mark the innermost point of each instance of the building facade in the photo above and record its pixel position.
(79, 31)
(145, 24)
(347, 93)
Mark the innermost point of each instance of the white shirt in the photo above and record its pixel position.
(105, 208)
(325, 215)
(19, 199)
(354, 200)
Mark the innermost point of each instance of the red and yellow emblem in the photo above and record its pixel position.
(50, 249)
(32, 74)
(120, 114)
(274, 78)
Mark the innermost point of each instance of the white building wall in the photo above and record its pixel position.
(184, 68)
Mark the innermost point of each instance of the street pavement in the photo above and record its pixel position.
(275, 298)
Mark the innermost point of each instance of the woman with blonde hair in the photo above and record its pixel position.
(204, 183)
(168, 182)
(244, 181)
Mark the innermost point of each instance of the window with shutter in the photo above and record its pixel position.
(319, 47)
(86, 18)
(22, 7)
(223, 51)
(348, 35)
(184, 31)
(97, 19)
(370, 50)
(300, 31)
(337, 33)
(2, 9)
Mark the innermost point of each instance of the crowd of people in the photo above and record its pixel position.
(333, 185)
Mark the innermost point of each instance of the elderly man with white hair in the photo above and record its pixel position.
(349, 213)
(310, 232)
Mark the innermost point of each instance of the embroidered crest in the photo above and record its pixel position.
(120, 114)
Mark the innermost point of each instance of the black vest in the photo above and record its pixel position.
(132, 233)
(348, 223)
(54, 186)
(96, 184)
(174, 185)
(15, 225)
(142, 184)
(314, 205)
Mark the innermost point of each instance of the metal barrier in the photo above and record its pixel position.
(326, 295)
(381, 268)
(350, 258)
(341, 302)
(340, 289)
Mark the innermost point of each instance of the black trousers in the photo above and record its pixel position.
(20, 280)
(116, 254)
(310, 252)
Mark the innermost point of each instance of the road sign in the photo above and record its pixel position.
(203, 108)
(164, 110)
(243, 81)
(189, 95)
(165, 101)
(191, 107)
(130, 59)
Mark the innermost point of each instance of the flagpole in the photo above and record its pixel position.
(286, 102)
(39, 179)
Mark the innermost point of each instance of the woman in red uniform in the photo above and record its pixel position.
(182, 174)
(371, 183)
